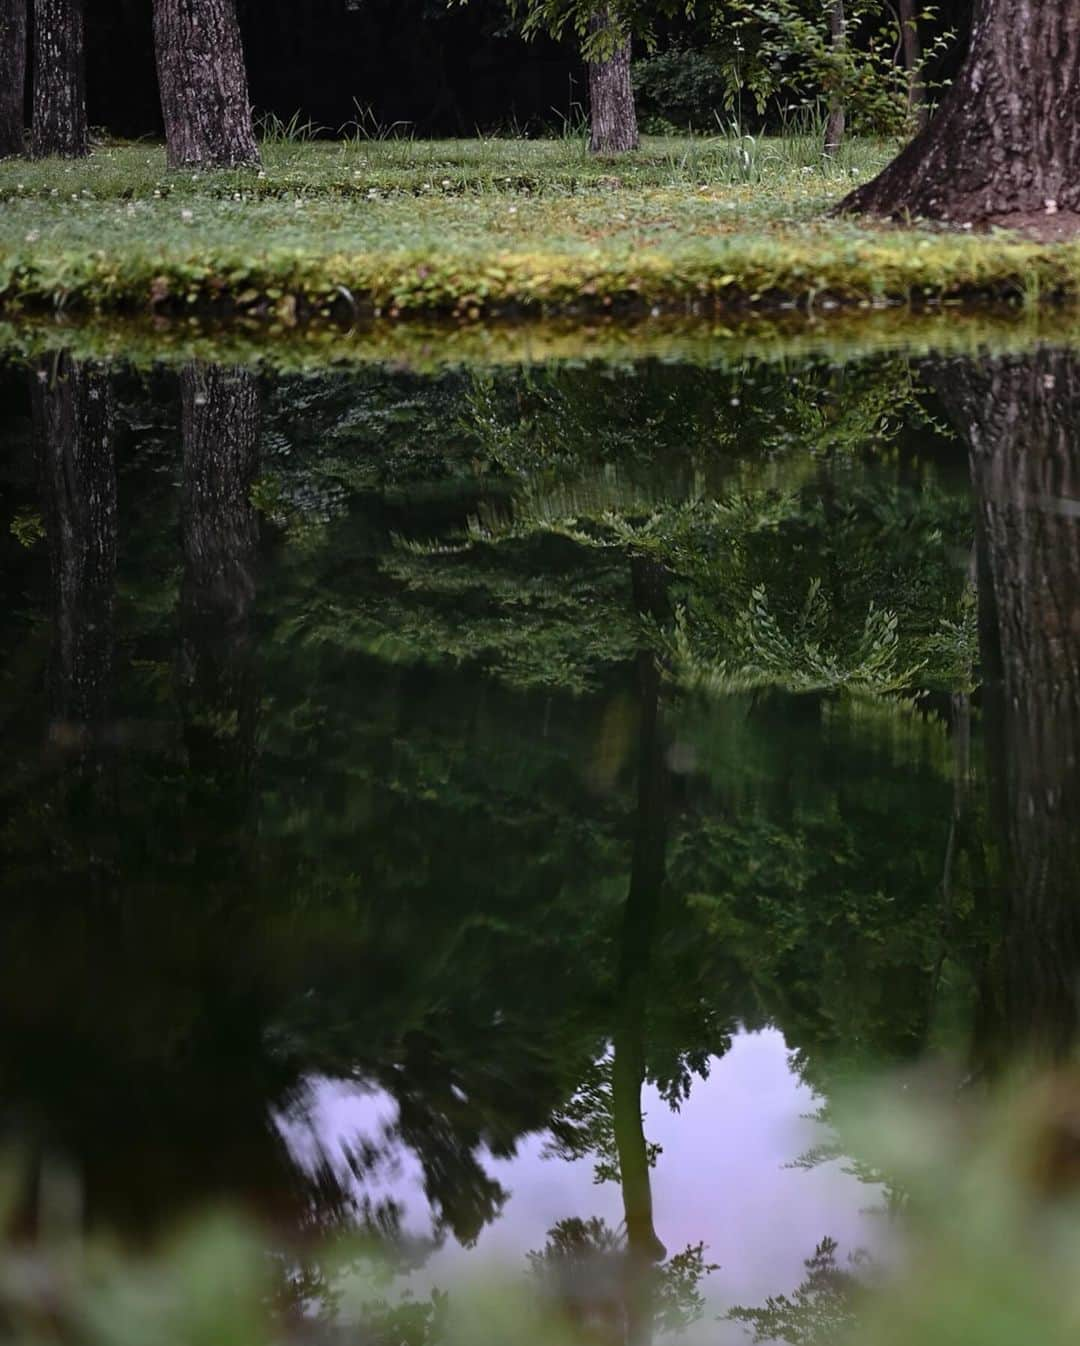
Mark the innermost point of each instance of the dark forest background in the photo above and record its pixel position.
(432, 71)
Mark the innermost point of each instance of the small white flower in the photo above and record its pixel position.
(187, 216)
(447, 183)
(513, 210)
(32, 236)
(1051, 206)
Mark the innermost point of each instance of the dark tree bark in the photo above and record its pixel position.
(1006, 139)
(220, 417)
(613, 117)
(59, 79)
(1020, 415)
(911, 45)
(836, 122)
(12, 77)
(72, 423)
(203, 84)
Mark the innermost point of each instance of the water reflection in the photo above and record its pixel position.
(1019, 417)
(72, 414)
(508, 748)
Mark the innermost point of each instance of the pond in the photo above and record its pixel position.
(495, 812)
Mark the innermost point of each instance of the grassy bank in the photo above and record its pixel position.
(424, 345)
(486, 228)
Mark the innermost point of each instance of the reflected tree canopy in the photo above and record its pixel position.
(502, 743)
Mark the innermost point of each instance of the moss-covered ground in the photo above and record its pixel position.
(488, 228)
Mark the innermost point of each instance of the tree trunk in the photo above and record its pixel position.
(1006, 139)
(219, 532)
(1018, 414)
(911, 44)
(71, 406)
(647, 876)
(203, 84)
(613, 118)
(12, 77)
(837, 118)
(59, 79)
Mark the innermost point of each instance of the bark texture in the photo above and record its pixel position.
(613, 116)
(12, 77)
(836, 121)
(1006, 139)
(72, 423)
(203, 84)
(911, 46)
(59, 79)
(220, 419)
(1020, 416)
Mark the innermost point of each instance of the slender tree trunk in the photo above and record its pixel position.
(613, 117)
(1019, 415)
(647, 875)
(220, 418)
(203, 84)
(72, 423)
(837, 118)
(911, 44)
(12, 77)
(1006, 139)
(59, 79)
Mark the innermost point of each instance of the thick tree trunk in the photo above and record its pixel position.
(59, 79)
(12, 77)
(837, 119)
(1006, 139)
(911, 45)
(203, 84)
(72, 423)
(613, 118)
(1019, 414)
(220, 417)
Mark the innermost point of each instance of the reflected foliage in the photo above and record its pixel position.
(497, 745)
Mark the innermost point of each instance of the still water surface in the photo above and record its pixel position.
(501, 810)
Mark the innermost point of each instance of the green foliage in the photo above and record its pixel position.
(600, 25)
(28, 528)
(585, 1126)
(764, 655)
(821, 1310)
(585, 1266)
(791, 40)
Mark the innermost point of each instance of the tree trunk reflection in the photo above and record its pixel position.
(220, 411)
(72, 411)
(1019, 415)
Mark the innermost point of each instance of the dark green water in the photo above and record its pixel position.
(409, 781)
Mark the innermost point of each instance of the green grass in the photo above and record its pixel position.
(486, 228)
(425, 345)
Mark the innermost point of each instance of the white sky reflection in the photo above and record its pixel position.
(722, 1178)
